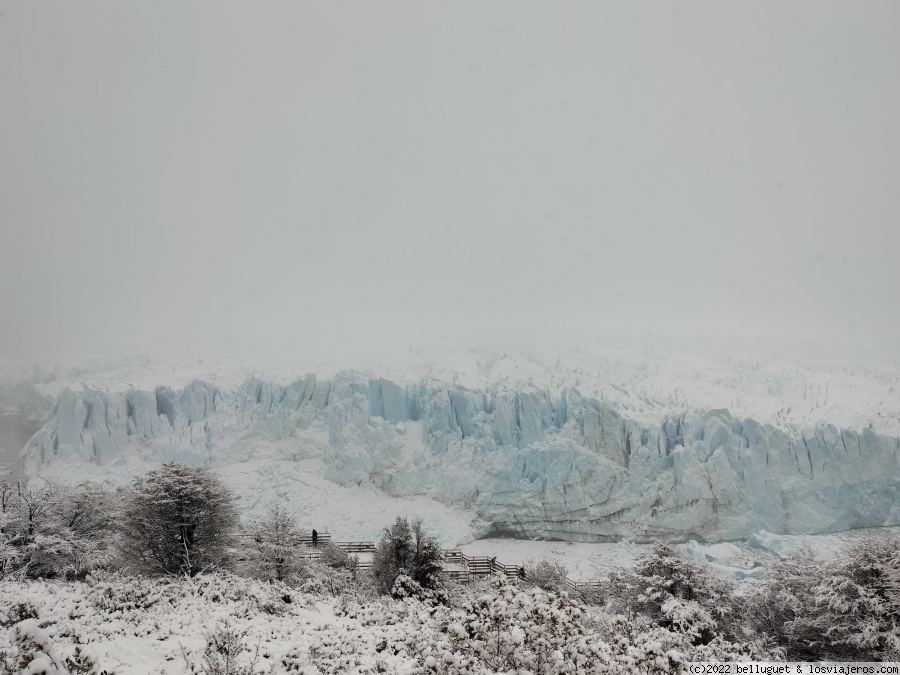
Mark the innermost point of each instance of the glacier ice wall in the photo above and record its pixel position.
(528, 462)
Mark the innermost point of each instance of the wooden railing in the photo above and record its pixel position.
(321, 538)
(480, 565)
(297, 539)
(356, 546)
(474, 567)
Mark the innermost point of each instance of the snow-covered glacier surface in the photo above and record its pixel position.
(505, 459)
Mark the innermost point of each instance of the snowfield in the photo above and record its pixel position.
(155, 625)
(135, 625)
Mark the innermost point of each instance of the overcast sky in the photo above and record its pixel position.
(234, 171)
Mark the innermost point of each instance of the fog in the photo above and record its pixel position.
(331, 175)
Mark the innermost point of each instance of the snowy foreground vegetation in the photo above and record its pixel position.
(151, 579)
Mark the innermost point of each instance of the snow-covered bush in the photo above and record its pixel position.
(177, 520)
(405, 548)
(161, 628)
(593, 594)
(124, 595)
(112, 591)
(248, 595)
(845, 609)
(861, 601)
(407, 587)
(675, 593)
(338, 572)
(548, 575)
(512, 629)
(55, 531)
(638, 644)
(336, 557)
(33, 653)
(391, 631)
(19, 611)
(86, 518)
(226, 653)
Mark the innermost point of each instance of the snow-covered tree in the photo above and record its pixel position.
(177, 520)
(274, 553)
(676, 593)
(859, 601)
(10, 551)
(83, 520)
(844, 609)
(781, 607)
(53, 530)
(406, 548)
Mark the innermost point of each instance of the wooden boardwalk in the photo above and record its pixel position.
(457, 565)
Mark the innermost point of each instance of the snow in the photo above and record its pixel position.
(531, 463)
(584, 562)
(624, 439)
(647, 376)
(139, 625)
(135, 626)
(737, 560)
(175, 617)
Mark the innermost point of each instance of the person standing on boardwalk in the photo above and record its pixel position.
(315, 539)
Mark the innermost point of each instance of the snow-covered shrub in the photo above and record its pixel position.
(19, 611)
(512, 629)
(461, 595)
(406, 548)
(8, 665)
(391, 631)
(845, 609)
(34, 654)
(53, 531)
(337, 558)
(338, 572)
(113, 591)
(594, 595)
(177, 520)
(11, 538)
(407, 587)
(861, 601)
(136, 600)
(85, 515)
(548, 575)
(249, 595)
(675, 593)
(636, 644)
(226, 653)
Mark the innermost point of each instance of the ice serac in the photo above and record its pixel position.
(528, 462)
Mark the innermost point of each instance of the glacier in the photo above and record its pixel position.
(527, 462)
